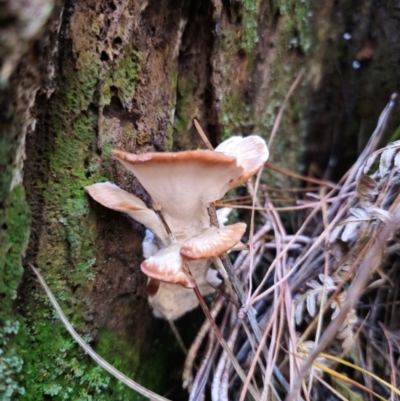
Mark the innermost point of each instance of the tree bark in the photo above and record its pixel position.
(132, 75)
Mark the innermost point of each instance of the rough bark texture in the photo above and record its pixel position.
(132, 75)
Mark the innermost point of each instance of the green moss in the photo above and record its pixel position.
(249, 38)
(235, 116)
(185, 110)
(58, 367)
(238, 117)
(295, 24)
(124, 78)
(129, 361)
(14, 232)
(8, 146)
(14, 229)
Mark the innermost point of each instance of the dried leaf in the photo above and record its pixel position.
(386, 161)
(350, 230)
(311, 304)
(336, 311)
(327, 279)
(366, 188)
(396, 161)
(335, 233)
(378, 213)
(299, 302)
(367, 165)
(358, 213)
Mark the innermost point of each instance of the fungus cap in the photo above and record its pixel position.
(115, 198)
(251, 153)
(184, 183)
(167, 266)
(172, 301)
(213, 242)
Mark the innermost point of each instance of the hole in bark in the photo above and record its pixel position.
(114, 90)
(114, 108)
(4, 226)
(93, 108)
(242, 53)
(117, 42)
(104, 56)
(10, 21)
(88, 173)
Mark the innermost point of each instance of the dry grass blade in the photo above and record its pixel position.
(355, 367)
(346, 379)
(281, 109)
(96, 357)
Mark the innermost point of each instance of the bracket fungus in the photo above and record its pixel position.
(182, 185)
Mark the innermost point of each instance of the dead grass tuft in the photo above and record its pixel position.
(318, 307)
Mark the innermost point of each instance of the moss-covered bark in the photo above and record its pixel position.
(132, 75)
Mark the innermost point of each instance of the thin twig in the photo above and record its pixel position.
(222, 341)
(177, 336)
(280, 112)
(203, 135)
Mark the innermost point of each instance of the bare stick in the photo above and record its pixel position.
(187, 375)
(216, 387)
(234, 279)
(177, 336)
(222, 341)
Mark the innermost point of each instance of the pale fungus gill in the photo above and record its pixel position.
(182, 185)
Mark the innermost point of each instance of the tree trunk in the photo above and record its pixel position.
(132, 75)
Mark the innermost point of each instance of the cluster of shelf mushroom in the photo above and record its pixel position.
(180, 243)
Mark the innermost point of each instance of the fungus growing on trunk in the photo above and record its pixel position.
(182, 186)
